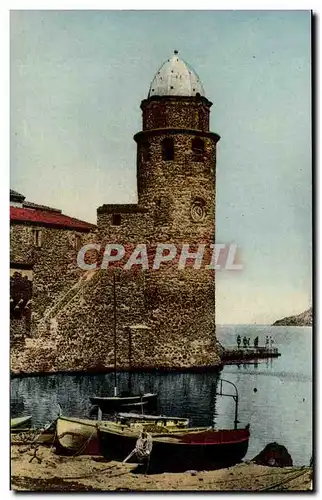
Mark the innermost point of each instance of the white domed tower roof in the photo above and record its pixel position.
(177, 78)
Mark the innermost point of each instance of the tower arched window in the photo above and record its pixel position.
(168, 149)
(198, 148)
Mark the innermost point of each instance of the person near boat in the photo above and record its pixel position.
(178, 450)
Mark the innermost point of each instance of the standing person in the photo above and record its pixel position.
(238, 341)
(256, 342)
(270, 342)
(245, 341)
(267, 342)
(248, 342)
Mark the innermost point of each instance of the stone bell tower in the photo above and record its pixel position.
(176, 158)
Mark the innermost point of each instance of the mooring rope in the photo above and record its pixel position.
(83, 446)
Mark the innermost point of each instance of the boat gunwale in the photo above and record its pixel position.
(112, 426)
(129, 433)
(79, 421)
(158, 418)
(166, 439)
(107, 424)
(121, 398)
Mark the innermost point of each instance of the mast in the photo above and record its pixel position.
(114, 311)
(130, 360)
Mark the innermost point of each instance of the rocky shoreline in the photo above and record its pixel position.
(50, 472)
(303, 319)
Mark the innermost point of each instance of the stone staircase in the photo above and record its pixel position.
(48, 323)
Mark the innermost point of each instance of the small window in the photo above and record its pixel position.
(116, 219)
(37, 238)
(167, 149)
(198, 148)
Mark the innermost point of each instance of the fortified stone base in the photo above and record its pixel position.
(73, 338)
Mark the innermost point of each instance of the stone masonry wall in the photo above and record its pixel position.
(73, 327)
(54, 268)
(181, 303)
(176, 112)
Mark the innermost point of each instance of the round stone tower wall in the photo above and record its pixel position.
(176, 157)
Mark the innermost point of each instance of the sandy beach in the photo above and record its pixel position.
(51, 472)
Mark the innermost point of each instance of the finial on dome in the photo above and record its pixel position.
(176, 52)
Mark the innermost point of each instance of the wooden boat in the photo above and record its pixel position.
(79, 436)
(44, 436)
(95, 409)
(180, 450)
(133, 419)
(115, 403)
(20, 422)
(76, 436)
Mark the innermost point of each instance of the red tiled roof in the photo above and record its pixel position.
(44, 218)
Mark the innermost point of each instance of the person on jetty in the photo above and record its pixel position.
(256, 342)
(267, 342)
(238, 341)
(245, 341)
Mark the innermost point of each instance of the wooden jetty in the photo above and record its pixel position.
(247, 354)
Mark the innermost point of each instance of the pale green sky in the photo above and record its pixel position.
(77, 79)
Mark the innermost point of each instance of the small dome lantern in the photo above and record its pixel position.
(176, 78)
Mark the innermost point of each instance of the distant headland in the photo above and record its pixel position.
(303, 319)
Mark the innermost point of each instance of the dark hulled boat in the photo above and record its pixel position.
(177, 451)
(115, 403)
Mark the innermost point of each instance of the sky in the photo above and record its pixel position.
(76, 82)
